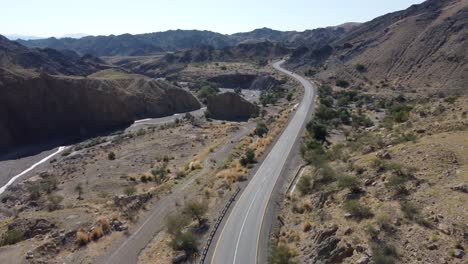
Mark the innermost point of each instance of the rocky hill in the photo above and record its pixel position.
(231, 106)
(66, 62)
(159, 66)
(173, 40)
(36, 106)
(421, 47)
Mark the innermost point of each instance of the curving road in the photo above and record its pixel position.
(239, 239)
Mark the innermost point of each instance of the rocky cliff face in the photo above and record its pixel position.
(231, 106)
(423, 47)
(37, 108)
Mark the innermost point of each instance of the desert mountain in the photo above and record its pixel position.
(159, 66)
(36, 105)
(66, 62)
(423, 46)
(174, 40)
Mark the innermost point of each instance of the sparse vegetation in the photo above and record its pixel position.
(342, 83)
(129, 190)
(248, 158)
(82, 237)
(11, 237)
(304, 185)
(196, 210)
(356, 209)
(261, 129)
(281, 255)
(111, 156)
(360, 68)
(53, 202)
(384, 253)
(79, 190)
(160, 173)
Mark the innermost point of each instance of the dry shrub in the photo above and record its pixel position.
(104, 225)
(194, 165)
(232, 174)
(115, 217)
(97, 233)
(82, 238)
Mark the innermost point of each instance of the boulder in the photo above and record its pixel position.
(363, 260)
(179, 257)
(458, 253)
(231, 106)
(460, 187)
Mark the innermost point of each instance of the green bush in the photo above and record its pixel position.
(360, 68)
(196, 210)
(186, 241)
(304, 185)
(342, 83)
(317, 130)
(11, 237)
(111, 156)
(356, 209)
(383, 253)
(412, 212)
(53, 202)
(281, 255)
(313, 152)
(325, 91)
(160, 173)
(400, 112)
(176, 223)
(130, 190)
(206, 91)
(325, 113)
(248, 158)
(348, 182)
(261, 129)
(326, 101)
(325, 175)
(34, 192)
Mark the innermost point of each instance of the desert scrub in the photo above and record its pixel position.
(97, 233)
(248, 158)
(356, 209)
(304, 185)
(129, 190)
(261, 129)
(281, 255)
(348, 182)
(11, 237)
(53, 202)
(111, 156)
(412, 212)
(82, 237)
(342, 83)
(384, 253)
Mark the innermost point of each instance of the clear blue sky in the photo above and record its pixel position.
(104, 17)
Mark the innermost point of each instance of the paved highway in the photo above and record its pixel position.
(239, 239)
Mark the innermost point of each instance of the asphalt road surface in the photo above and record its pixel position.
(239, 239)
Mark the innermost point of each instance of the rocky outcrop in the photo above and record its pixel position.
(38, 108)
(264, 82)
(407, 49)
(327, 248)
(231, 106)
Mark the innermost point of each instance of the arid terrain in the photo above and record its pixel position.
(137, 148)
